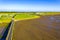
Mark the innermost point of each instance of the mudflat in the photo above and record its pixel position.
(43, 28)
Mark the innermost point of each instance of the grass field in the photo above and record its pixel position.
(25, 16)
(6, 17)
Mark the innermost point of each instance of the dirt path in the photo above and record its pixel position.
(43, 28)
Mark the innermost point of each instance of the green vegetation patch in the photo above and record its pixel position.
(48, 13)
(22, 16)
(6, 17)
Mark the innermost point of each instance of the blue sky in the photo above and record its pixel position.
(29, 5)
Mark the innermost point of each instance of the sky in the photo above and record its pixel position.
(29, 5)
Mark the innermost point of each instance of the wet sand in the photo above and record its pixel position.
(43, 28)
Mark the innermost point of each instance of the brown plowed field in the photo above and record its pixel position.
(43, 28)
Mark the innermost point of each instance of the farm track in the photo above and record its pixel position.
(43, 28)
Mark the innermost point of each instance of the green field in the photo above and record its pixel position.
(6, 17)
(25, 16)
